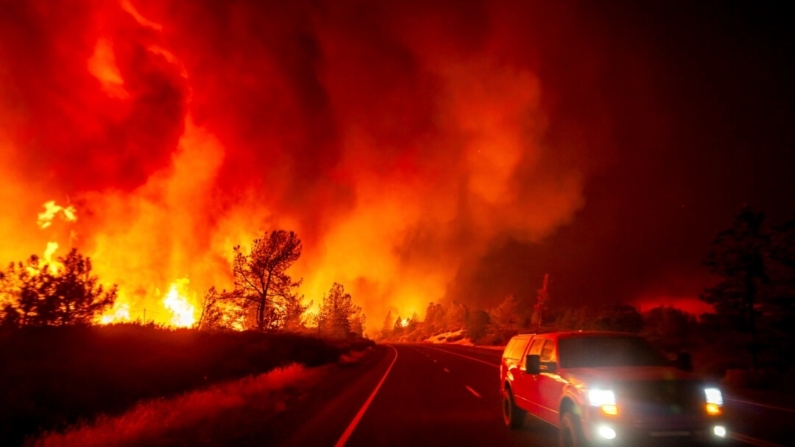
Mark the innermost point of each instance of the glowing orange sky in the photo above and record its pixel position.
(193, 137)
(422, 152)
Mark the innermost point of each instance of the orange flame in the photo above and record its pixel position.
(120, 313)
(183, 313)
(52, 210)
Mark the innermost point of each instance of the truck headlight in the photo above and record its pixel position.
(606, 432)
(605, 400)
(714, 401)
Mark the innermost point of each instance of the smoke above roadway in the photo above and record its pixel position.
(401, 140)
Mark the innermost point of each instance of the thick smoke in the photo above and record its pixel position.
(399, 139)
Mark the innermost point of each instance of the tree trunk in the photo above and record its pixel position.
(263, 303)
(750, 299)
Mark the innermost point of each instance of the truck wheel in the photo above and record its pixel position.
(511, 414)
(570, 431)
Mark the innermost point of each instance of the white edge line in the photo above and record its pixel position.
(772, 407)
(472, 391)
(352, 426)
(753, 441)
(464, 356)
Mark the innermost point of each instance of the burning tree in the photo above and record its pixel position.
(537, 318)
(262, 285)
(338, 315)
(389, 325)
(508, 315)
(38, 294)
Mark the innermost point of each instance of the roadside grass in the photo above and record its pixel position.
(52, 378)
(161, 421)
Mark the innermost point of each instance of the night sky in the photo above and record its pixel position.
(423, 151)
(694, 105)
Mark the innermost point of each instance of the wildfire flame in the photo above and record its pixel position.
(183, 313)
(119, 313)
(52, 210)
(49, 257)
(181, 131)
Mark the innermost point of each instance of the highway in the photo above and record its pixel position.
(448, 395)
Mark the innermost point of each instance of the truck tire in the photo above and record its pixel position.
(570, 432)
(511, 414)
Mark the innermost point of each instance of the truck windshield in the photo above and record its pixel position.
(608, 351)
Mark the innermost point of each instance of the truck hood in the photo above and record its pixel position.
(609, 376)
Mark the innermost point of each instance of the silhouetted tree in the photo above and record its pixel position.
(261, 278)
(77, 295)
(389, 325)
(294, 312)
(435, 318)
(778, 309)
(399, 326)
(619, 317)
(358, 321)
(477, 322)
(221, 310)
(738, 257)
(413, 322)
(542, 298)
(337, 312)
(507, 315)
(36, 294)
(669, 328)
(457, 314)
(572, 318)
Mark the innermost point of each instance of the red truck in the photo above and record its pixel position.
(607, 388)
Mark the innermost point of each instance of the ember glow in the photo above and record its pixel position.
(176, 130)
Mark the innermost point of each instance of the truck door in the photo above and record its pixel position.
(550, 384)
(525, 386)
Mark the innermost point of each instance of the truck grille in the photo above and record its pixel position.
(662, 398)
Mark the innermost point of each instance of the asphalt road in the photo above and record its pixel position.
(448, 395)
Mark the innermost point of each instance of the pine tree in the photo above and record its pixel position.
(36, 294)
(338, 312)
(507, 315)
(261, 279)
(388, 326)
(738, 256)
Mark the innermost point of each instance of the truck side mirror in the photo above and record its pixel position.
(533, 364)
(684, 361)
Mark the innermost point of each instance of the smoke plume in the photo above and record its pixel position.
(398, 139)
